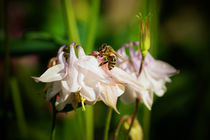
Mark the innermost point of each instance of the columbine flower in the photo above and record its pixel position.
(128, 79)
(154, 74)
(80, 79)
(93, 79)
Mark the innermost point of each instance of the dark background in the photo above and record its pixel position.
(36, 29)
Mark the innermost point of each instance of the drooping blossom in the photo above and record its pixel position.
(80, 79)
(128, 80)
(154, 74)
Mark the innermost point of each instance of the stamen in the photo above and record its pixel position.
(82, 99)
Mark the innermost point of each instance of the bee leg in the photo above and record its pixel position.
(103, 63)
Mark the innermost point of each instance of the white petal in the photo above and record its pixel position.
(61, 49)
(88, 65)
(52, 74)
(89, 90)
(70, 82)
(81, 52)
(131, 81)
(109, 95)
(120, 89)
(147, 97)
(157, 85)
(125, 78)
(157, 68)
(122, 53)
(72, 56)
(53, 90)
(135, 58)
(129, 96)
(61, 58)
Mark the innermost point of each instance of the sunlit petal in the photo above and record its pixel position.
(110, 94)
(52, 74)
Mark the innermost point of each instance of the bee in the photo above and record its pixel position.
(109, 55)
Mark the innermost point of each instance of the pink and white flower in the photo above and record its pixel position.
(81, 79)
(81, 75)
(154, 75)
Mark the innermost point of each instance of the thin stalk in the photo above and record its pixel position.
(80, 116)
(108, 120)
(146, 123)
(72, 30)
(118, 126)
(18, 107)
(92, 25)
(89, 122)
(141, 40)
(133, 118)
(141, 66)
(52, 133)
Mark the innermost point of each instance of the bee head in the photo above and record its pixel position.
(103, 48)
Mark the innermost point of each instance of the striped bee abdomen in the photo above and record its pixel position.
(112, 61)
(109, 55)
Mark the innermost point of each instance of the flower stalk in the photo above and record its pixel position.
(133, 118)
(144, 47)
(108, 120)
(18, 107)
(52, 133)
(117, 129)
(89, 122)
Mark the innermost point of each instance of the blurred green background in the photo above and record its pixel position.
(31, 32)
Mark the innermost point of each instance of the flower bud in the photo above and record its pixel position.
(136, 132)
(144, 34)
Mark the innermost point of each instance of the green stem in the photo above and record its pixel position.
(89, 122)
(72, 31)
(18, 107)
(133, 118)
(80, 116)
(92, 25)
(108, 120)
(146, 123)
(141, 66)
(118, 126)
(52, 135)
